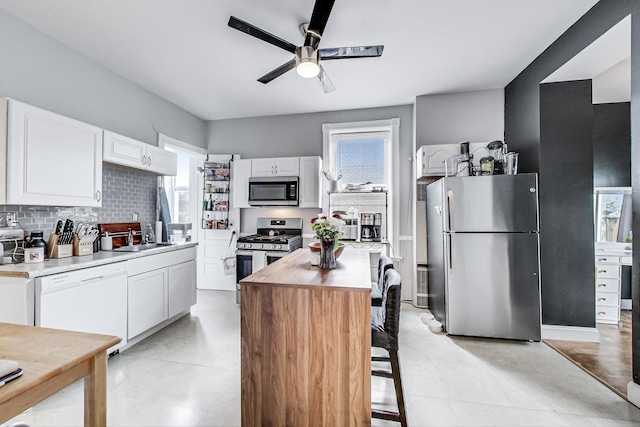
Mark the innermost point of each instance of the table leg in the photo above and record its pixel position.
(95, 392)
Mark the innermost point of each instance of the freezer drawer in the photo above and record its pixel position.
(493, 285)
(498, 203)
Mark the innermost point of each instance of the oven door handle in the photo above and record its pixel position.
(243, 252)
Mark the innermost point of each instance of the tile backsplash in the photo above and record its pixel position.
(124, 191)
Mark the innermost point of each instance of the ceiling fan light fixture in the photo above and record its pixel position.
(307, 62)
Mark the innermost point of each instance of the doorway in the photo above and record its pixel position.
(604, 67)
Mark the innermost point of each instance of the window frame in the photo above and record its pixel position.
(390, 128)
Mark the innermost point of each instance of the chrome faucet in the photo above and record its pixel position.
(130, 238)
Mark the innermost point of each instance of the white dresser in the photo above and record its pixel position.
(608, 271)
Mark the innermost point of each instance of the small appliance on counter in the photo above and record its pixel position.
(11, 238)
(351, 228)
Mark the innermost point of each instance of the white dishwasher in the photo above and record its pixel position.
(89, 300)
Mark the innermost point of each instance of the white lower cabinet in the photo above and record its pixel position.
(159, 287)
(147, 301)
(182, 292)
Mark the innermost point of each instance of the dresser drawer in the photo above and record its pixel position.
(607, 299)
(609, 285)
(608, 270)
(607, 314)
(606, 259)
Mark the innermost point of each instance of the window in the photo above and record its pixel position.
(364, 152)
(181, 190)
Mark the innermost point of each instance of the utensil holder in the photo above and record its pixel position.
(84, 247)
(58, 251)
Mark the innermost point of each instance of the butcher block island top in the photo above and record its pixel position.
(306, 343)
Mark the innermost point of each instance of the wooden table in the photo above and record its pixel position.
(52, 359)
(306, 343)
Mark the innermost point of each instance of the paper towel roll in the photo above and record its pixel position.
(258, 260)
(158, 231)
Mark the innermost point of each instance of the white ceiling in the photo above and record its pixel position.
(184, 51)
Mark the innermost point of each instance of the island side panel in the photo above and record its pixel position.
(305, 356)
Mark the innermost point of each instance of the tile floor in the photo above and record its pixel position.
(188, 375)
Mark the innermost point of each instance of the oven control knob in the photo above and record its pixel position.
(277, 247)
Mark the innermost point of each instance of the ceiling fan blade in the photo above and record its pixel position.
(256, 32)
(278, 71)
(351, 52)
(325, 82)
(319, 18)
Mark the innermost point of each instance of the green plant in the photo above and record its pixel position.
(327, 227)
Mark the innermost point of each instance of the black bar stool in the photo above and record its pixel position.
(385, 324)
(384, 263)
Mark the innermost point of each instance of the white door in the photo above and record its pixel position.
(287, 166)
(211, 249)
(262, 167)
(52, 160)
(182, 287)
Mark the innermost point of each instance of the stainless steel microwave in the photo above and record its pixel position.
(273, 191)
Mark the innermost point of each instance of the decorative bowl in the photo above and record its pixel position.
(315, 247)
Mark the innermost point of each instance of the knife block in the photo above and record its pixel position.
(58, 251)
(84, 249)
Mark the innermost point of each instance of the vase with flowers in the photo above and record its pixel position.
(327, 229)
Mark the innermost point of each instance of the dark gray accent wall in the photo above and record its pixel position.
(522, 119)
(566, 204)
(41, 71)
(612, 145)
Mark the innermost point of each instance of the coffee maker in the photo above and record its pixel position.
(371, 227)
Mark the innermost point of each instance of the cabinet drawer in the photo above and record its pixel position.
(607, 259)
(607, 299)
(608, 270)
(609, 314)
(610, 285)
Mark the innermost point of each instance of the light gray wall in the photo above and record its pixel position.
(476, 116)
(301, 135)
(39, 70)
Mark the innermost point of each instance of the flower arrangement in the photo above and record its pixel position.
(327, 227)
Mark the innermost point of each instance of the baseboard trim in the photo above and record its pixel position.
(570, 333)
(633, 393)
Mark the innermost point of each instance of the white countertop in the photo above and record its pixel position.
(62, 265)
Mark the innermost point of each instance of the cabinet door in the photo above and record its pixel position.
(310, 182)
(161, 161)
(262, 167)
(52, 160)
(124, 151)
(182, 287)
(242, 170)
(147, 294)
(287, 166)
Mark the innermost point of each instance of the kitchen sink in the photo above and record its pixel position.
(138, 248)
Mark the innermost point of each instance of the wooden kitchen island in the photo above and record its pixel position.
(306, 343)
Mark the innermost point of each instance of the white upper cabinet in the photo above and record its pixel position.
(284, 166)
(125, 151)
(432, 158)
(310, 182)
(48, 159)
(240, 174)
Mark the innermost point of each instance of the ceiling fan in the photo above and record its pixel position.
(307, 57)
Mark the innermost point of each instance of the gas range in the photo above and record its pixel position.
(274, 234)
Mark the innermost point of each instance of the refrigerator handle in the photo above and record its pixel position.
(449, 209)
(449, 252)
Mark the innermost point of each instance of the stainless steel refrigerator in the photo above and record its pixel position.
(484, 260)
